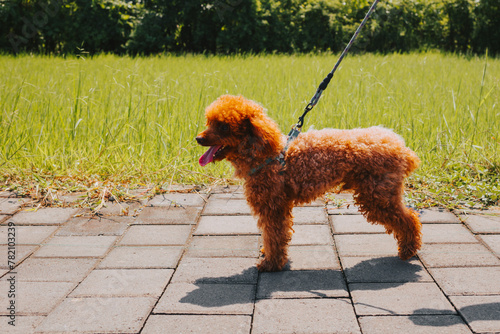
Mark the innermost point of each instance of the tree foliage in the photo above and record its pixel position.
(231, 26)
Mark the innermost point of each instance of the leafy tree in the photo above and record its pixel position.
(241, 29)
(97, 25)
(277, 20)
(487, 26)
(316, 27)
(228, 26)
(459, 25)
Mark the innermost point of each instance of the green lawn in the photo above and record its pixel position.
(118, 122)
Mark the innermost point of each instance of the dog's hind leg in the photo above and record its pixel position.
(409, 236)
(381, 201)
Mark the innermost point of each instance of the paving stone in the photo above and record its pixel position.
(304, 316)
(119, 209)
(302, 284)
(384, 270)
(21, 252)
(27, 235)
(34, 298)
(76, 246)
(150, 257)
(227, 207)
(493, 241)
(342, 202)
(140, 194)
(44, 216)
(185, 189)
(457, 255)
(482, 223)
(414, 324)
(191, 324)
(9, 206)
(227, 189)
(446, 233)
(224, 246)
(23, 324)
(377, 245)
(334, 197)
(124, 282)
(468, 281)
(168, 216)
(438, 216)
(98, 315)
(144, 235)
(96, 226)
(311, 235)
(309, 215)
(313, 258)
(320, 201)
(216, 270)
(349, 209)
(343, 224)
(399, 299)
(492, 211)
(482, 313)
(54, 270)
(72, 198)
(3, 218)
(228, 196)
(185, 298)
(227, 225)
(178, 199)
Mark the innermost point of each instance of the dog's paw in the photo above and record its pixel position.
(269, 266)
(265, 266)
(405, 254)
(409, 249)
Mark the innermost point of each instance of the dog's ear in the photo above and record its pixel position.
(264, 136)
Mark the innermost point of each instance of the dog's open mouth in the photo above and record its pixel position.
(210, 154)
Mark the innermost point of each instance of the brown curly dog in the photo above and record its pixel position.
(372, 163)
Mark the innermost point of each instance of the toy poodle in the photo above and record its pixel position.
(372, 163)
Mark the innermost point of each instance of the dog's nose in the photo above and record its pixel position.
(200, 140)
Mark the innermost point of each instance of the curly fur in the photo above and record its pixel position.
(372, 163)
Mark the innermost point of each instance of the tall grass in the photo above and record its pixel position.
(134, 119)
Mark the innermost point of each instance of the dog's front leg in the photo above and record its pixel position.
(276, 234)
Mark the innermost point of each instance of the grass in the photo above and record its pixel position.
(113, 123)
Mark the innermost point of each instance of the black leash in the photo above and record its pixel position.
(296, 128)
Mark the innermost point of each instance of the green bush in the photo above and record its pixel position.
(487, 26)
(459, 25)
(316, 27)
(66, 26)
(231, 26)
(149, 36)
(240, 28)
(97, 25)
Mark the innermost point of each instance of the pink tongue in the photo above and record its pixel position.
(209, 155)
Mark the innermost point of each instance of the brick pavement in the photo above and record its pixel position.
(185, 263)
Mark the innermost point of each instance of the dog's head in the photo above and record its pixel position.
(238, 129)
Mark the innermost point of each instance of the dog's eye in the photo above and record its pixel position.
(224, 127)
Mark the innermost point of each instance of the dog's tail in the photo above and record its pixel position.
(412, 162)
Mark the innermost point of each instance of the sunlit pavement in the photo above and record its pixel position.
(185, 263)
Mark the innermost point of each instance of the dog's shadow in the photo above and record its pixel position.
(485, 312)
(240, 289)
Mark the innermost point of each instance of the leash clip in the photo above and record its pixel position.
(294, 133)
